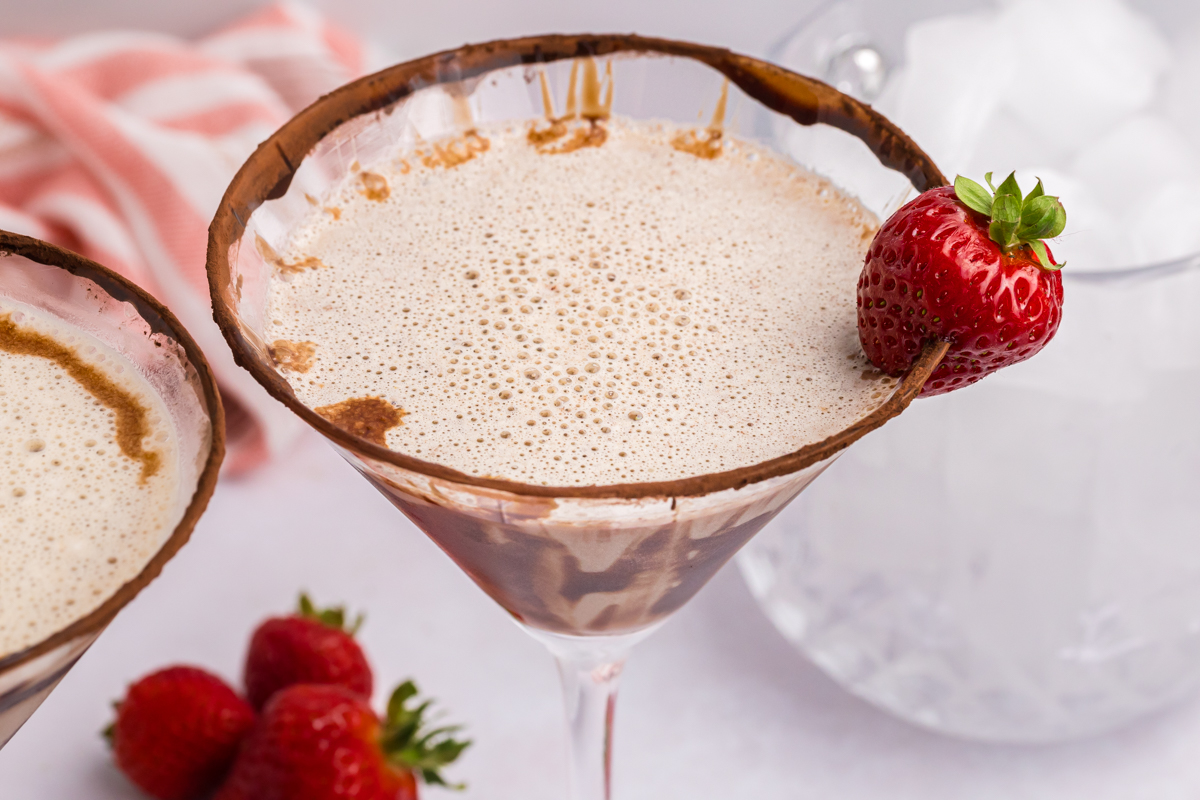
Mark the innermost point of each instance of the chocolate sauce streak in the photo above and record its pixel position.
(289, 267)
(806, 100)
(710, 145)
(293, 356)
(131, 416)
(368, 418)
(375, 187)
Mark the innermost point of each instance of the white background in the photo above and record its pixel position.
(716, 705)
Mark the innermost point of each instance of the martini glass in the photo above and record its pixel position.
(588, 570)
(101, 303)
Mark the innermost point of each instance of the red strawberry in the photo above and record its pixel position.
(177, 732)
(323, 742)
(312, 646)
(960, 265)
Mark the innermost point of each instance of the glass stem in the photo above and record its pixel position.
(590, 695)
(590, 667)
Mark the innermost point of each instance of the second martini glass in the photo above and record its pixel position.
(98, 303)
(587, 570)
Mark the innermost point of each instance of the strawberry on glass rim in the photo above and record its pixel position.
(967, 266)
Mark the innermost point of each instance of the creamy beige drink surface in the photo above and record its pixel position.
(564, 310)
(88, 475)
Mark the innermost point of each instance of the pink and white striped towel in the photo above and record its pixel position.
(119, 145)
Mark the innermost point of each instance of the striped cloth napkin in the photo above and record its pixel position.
(119, 145)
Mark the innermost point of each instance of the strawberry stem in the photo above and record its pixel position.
(334, 617)
(408, 745)
(110, 730)
(1016, 221)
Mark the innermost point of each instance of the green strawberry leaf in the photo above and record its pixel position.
(399, 698)
(334, 617)
(1006, 218)
(1038, 218)
(407, 745)
(1060, 222)
(110, 730)
(973, 196)
(1010, 187)
(1039, 248)
(1016, 220)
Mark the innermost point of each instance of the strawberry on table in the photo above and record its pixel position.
(968, 266)
(310, 646)
(177, 732)
(323, 742)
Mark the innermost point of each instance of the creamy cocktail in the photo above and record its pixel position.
(632, 310)
(89, 473)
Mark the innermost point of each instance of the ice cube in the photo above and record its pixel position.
(1007, 143)
(946, 92)
(1081, 65)
(1167, 226)
(1182, 88)
(1093, 240)
(1127, 166)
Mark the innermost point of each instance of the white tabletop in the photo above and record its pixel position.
(715, 705)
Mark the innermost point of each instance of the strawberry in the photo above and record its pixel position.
(323, 742)
(964, 266)
(177, 732)
(311, 646)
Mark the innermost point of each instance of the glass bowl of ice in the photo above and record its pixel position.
(1047, 587)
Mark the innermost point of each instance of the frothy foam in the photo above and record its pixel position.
(83, 505)
(622, 311)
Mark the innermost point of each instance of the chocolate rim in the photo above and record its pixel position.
(267, 174)
(160, 321)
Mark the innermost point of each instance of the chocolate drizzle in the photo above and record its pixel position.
(293, 356)
(367, 418)
(711, 144)
(453, 152)
(286, 267)
(375, 186)
(806, 100)
(131, 416)
(594, 111)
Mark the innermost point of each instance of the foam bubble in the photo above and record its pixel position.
(620, 313)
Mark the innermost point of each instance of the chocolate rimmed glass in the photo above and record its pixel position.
(101, 303)
(588, 570)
